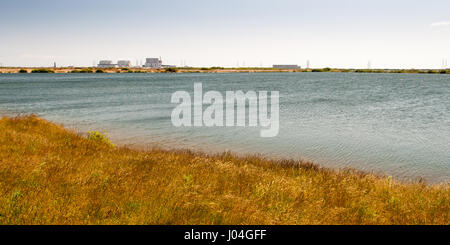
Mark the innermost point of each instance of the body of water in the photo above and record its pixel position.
(393, 124)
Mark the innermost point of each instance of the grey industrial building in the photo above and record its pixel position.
(286, 66)
(153, 63)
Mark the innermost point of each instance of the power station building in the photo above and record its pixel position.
(153, 63)
(149, 63)
(124, 63)
(106, 64)
(286, 66)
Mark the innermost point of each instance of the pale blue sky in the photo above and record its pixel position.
(391, 34)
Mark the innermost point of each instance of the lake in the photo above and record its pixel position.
(392, 124)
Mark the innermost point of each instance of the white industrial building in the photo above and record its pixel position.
(168, 66)
(124, 63)
(106, 64)
(153, 63)
(149, 63)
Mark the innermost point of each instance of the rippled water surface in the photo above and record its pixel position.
(393, 124)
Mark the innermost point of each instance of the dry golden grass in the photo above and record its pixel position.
(49, 175)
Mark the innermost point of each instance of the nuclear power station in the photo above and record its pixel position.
(149, 63)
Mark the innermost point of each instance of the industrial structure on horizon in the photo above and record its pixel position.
(157, 63)
(149, 63)
(106, 64)
(286, 66)
(124, 63)
(153, 63)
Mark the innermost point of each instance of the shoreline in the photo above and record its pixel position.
(170, 146)
(24, 70)
(160, 145)
(51, 175)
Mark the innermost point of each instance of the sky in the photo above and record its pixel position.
(250, 33)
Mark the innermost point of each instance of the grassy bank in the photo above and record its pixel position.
(49, 175)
